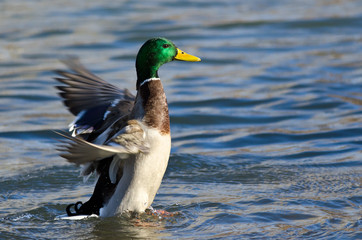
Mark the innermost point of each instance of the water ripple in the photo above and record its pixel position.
(266, 130)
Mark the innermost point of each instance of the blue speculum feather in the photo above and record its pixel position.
(90, 118)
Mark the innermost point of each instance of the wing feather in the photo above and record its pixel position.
(84, 90)
(129, 141)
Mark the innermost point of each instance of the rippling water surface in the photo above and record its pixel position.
(266, 130)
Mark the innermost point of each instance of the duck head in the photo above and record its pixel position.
(156, 52)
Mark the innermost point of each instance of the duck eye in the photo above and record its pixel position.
(166, 45)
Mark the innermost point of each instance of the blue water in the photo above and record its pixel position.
(266, 130)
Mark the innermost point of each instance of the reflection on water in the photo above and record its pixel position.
(266, 130)
(119, 228)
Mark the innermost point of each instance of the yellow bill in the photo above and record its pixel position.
(182, 56)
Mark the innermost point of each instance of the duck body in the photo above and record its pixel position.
(124, 139)
(141, 179)
(143, 173)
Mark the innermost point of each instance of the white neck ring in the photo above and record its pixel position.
(149, 80)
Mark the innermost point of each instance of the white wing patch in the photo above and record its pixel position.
(114, 103)
(72, 124)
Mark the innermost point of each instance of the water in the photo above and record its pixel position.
(266, 130)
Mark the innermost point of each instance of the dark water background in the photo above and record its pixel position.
(266, 130)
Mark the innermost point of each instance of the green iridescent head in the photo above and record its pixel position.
(156, 52)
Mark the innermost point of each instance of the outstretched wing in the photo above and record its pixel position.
(85, 90)
(90, 98)
(129, 141)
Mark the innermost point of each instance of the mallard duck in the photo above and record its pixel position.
(124, 139)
